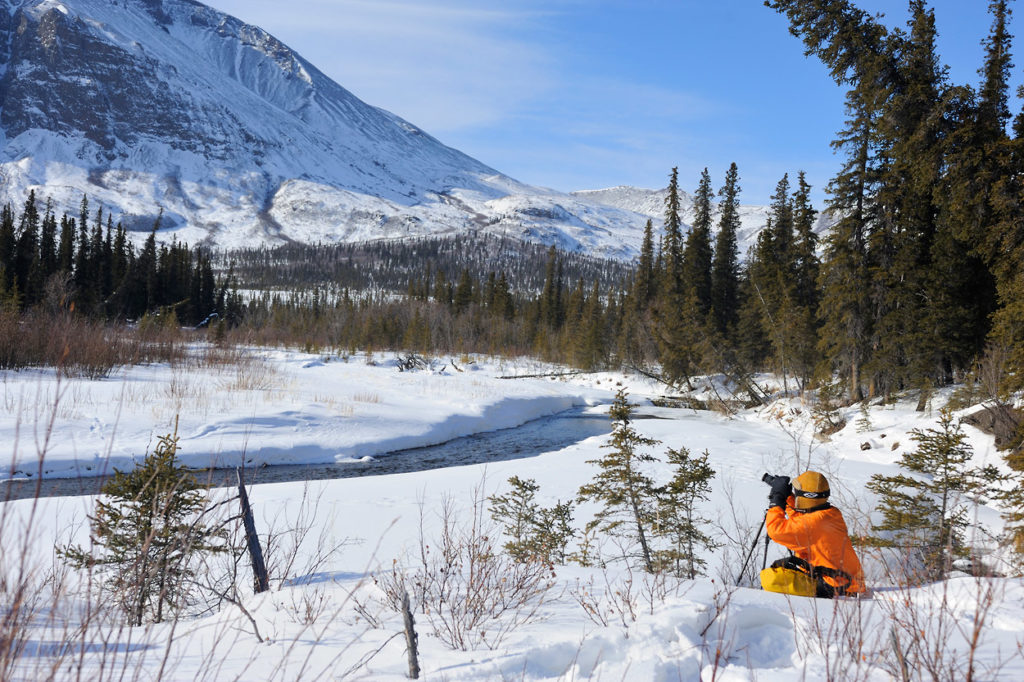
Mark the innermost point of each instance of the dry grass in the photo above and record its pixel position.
(250, 373)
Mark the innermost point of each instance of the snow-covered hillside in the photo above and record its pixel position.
(169, 104)
(327, 615)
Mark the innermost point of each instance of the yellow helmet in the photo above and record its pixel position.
(810, 489)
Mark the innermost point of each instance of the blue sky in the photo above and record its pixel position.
(585, 94)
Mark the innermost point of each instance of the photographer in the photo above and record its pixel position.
(801, 518)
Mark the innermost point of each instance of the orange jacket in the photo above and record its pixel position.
(819, 537)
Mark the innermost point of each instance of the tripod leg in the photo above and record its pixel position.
(753, 546)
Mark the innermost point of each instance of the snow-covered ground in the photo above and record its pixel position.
(327, 615)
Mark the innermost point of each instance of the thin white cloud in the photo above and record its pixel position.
(499, 84)
(444, 66)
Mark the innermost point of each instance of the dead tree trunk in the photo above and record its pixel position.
(261, 582)
(410, 638)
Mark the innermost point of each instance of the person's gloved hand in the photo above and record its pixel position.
(781, 490)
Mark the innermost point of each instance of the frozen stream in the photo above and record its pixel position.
(527, 440)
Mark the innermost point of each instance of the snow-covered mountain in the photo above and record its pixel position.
(149, 105)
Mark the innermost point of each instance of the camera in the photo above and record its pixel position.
(770, 480)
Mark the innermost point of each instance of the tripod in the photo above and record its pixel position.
(753, 546)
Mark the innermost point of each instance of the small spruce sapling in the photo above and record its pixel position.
(535, 533)
(864, 420)
(555, 531)
(628, 496)
(926, 512)
(678, 520)
(146, 530)
(828, 417)
(516, 511)
(1012, 498)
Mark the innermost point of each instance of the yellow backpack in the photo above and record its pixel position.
(796, 576)
(784, 577)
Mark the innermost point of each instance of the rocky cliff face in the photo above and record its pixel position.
(63, 77)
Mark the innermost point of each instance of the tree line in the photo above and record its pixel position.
(89, 263)
(396, 264)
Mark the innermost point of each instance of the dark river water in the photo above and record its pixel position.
(528, 440)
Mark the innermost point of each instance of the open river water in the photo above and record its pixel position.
(527, 440)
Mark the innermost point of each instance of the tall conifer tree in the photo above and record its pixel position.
(725, 270)
(644, 288)
(697, 255)
(676, 313)
(8, 240)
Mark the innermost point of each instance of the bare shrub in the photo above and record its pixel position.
(250, 373)
(623, 599)
(309, 605)
(717, 641)
(470, 592)
(292, 552)
(80, 347)
(614, 602)
(840, 636)
(940, 636)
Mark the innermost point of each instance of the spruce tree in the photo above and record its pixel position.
(678, 520)
(146, 533)
(857, 50)
(1012, 500)
(644, 288)
(590, 340)
(66, 248)
(464, 292)
(772, 282)
(551, 296)
(677, 319)
(925, 511)
(750, 341)
(535, 533)
(1001, 241)
(27, 271)
(725, 270)
(8, 239)
(781, 210)
(697, 254)
(672, 249)
(83, 274)
(149, 296)
(442, 289)
(626, 494)
(517, 512)
(807, 269)
(912, 132)
(48, 243)
(845, 310)
(635, 319)
(504, 303)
